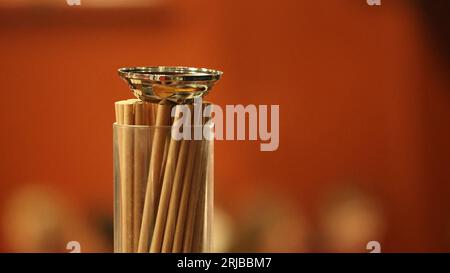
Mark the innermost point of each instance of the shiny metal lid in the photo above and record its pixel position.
(175, 83)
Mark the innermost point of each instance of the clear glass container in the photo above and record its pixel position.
(163, 191)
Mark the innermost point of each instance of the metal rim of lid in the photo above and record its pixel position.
(162, 74)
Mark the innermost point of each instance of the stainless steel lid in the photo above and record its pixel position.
(174, 83)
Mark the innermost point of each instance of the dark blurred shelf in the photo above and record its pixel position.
(77, 16)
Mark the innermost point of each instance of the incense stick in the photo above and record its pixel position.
(168, 179)
(175, 197)
(199, 222)
(194, 195)
(140, 160)
(125, 116)
(203, 214)
(184, 199)
(154, 176)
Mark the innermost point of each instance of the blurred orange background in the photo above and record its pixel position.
(364, 120)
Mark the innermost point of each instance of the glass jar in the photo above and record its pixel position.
(162, 191)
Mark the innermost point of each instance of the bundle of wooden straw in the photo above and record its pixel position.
(164, 198)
